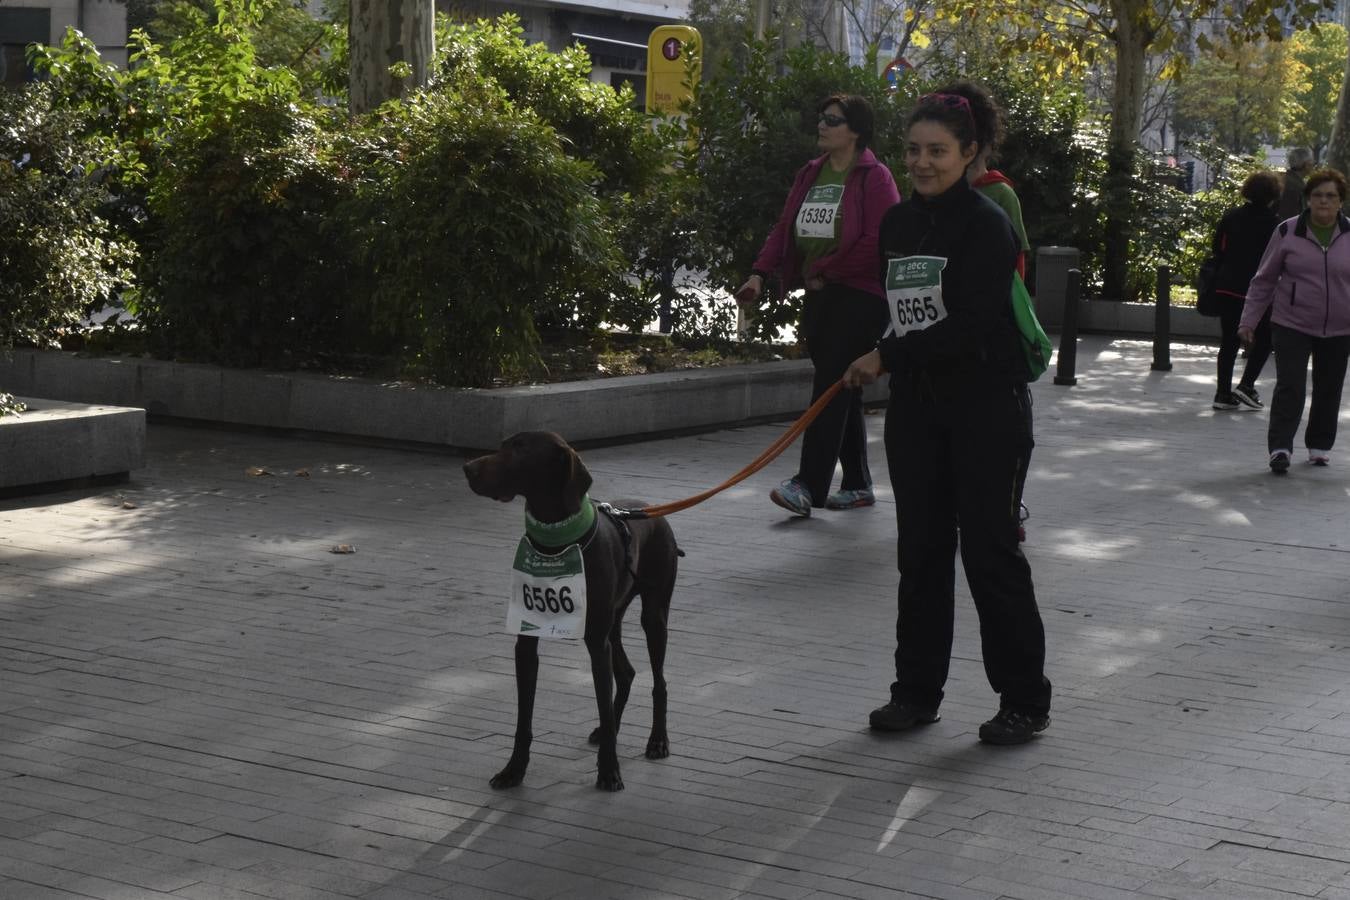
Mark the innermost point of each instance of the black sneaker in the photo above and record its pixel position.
(901, 716)
(1226, 401)
(1279, 462)
(1247, 396)
(1012, 727)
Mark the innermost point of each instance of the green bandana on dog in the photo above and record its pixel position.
(559, 534)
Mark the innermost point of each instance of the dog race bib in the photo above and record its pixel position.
(914, 292)
(816, 217)
(548, 593)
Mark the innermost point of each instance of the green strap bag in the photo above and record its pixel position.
(1035, 343)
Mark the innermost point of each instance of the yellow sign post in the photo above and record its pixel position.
(667, 50)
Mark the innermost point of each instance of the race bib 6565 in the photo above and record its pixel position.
(914, 292)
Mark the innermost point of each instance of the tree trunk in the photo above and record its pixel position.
(1338, 147)
(1133, 35)
(382, 33)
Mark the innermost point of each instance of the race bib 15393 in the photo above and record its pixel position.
(816, 217)
(914, 292)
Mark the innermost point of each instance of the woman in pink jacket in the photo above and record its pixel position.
(1304, 280)
(826, 241)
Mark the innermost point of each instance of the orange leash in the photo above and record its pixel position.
(768, 456)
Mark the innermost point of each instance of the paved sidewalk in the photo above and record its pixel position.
(200, 700)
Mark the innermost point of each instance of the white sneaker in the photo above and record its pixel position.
(1319, 457)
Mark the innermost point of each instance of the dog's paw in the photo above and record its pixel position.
(507, 778)
(658, 747)
(609, 781)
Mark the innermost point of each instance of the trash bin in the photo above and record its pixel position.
(1052, 279)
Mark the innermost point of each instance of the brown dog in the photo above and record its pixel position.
(543, 469)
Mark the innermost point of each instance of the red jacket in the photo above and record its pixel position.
(868, 193)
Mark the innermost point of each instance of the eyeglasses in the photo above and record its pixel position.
(832, 120)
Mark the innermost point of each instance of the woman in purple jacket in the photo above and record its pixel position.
(826, 241)
(1304, 280)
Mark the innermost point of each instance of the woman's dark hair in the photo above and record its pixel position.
(1262, 188)
(977, 119)
(1322, 176)
(861, 120)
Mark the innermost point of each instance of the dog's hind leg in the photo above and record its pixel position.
(527, 677)
(655, 609)
(607, 758)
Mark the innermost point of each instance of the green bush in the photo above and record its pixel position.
(593, 123)
(245, 262)
(61, 256)
(470, 217)
(9, 406)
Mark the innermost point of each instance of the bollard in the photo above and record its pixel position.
(1162, 322)
(1068, 331)
(665, 319)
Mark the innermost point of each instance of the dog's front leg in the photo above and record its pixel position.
(602, 672)
(527, 677)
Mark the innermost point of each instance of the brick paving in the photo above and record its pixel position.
(200, 700)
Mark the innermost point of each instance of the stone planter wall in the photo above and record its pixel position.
(608, 409)
(57, 443)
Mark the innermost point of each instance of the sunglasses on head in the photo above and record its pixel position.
(954, 101)
(832, 120)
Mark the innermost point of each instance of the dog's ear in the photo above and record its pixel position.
(577, 478)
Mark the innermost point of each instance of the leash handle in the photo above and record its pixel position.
(772, 452)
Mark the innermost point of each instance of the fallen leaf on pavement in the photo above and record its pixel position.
(302, 473)
(343, 548)
(256, 471)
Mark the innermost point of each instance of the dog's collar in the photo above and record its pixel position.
(559, 534)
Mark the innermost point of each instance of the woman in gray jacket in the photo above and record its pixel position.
(1304, 280)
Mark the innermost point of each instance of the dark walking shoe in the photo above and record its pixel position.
(1012, 727)
(1226, 401)
(793, 496)
(901, 717)
(1247, 396)
(1279, 462)
(851, 499)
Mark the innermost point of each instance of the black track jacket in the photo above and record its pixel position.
(978, 340)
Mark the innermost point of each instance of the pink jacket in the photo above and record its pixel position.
(1305, 287)
(868, 193)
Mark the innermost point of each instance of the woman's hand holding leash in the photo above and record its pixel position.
(864, 370)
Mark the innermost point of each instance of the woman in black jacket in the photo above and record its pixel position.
(958, 426)
(1239, 242)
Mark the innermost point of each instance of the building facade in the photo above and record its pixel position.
(24, 22)
(614, 32)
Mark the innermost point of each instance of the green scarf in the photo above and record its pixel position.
(559, 534)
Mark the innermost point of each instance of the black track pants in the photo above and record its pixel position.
(956, 458)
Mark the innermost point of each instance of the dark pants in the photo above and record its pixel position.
(1292, 350)
(839, 324)
(1229, 317)
(956, 461)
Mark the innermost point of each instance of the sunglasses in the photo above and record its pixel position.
(954, 101)
(833, 121)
